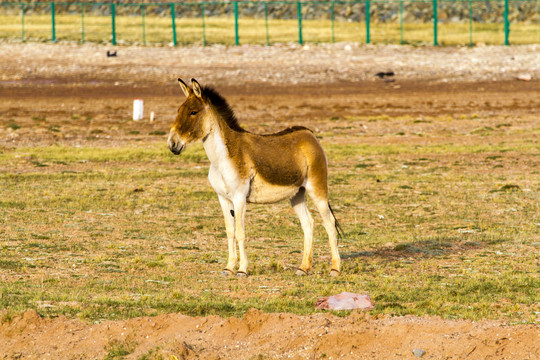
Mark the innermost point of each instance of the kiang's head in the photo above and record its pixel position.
(190, 124)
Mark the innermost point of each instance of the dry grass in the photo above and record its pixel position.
(441, 218)
(158, 30)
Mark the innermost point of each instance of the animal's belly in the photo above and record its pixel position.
(262, 192)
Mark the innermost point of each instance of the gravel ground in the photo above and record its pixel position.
(284, 64)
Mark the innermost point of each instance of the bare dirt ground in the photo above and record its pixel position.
(268, 336)
(43, 87)
(81, 90)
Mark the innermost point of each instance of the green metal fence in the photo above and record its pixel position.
(369, 21)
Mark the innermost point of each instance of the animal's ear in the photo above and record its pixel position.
(184, 87)
(196, 88)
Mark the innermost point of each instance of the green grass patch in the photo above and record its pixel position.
(68, 155)
(117, 350)
(119, 232)
(13, 126)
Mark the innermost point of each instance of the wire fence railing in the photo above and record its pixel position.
(437, 22)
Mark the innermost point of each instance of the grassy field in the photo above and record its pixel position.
(432, 227)
(157, 30)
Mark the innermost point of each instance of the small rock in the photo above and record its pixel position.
(418, 352)
(345, 301)
(524, 77)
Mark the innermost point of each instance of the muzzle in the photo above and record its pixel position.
(174, 143)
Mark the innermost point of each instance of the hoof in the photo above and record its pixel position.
(301, 272)
(334, 273)
(227, 272)
(241, 274)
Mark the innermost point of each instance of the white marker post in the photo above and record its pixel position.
(137, 109)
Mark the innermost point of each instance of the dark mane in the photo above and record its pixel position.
(289, 130)
(227, 113)
(222, 108)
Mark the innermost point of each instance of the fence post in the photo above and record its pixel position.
(82, 23)
(332, 17)
(299, 13)
(22, 21)
(266, 23)
(435, 23)
(113, 24)
(470, 23)
(506, 23)
(368, 37)
(203, 25)
(236, 40)
(401, 22)
(173, 23)
(143, 13)
(53, 24)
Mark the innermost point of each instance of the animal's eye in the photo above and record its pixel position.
(194, 113)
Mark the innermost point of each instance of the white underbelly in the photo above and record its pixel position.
(262, 192)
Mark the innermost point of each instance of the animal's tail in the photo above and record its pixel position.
(338, 227)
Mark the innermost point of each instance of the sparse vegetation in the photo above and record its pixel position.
(13, 126)
(133, 230)
(118, 350)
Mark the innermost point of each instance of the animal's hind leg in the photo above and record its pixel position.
(298, 202)
(329, 222)
(228, 214)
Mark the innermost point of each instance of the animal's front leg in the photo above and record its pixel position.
(240, 235)
(228, 214)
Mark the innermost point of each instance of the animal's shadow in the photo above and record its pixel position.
(416, 250)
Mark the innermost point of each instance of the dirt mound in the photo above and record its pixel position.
(261, 336)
